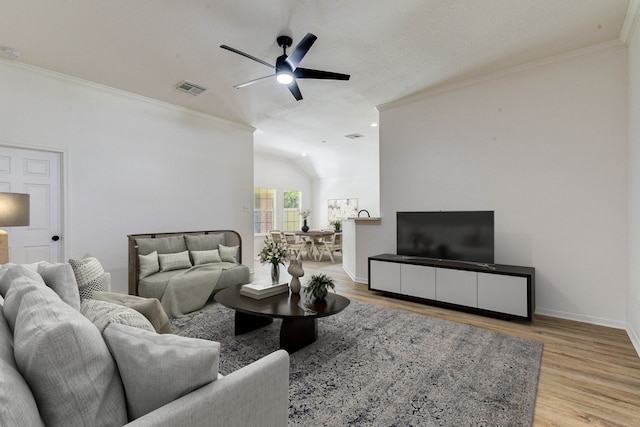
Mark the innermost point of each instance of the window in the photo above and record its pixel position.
(291, 211)
(263, 209)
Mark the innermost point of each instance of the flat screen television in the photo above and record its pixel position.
(457, 236)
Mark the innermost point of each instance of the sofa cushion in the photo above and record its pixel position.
(103, 313)
(157, 369)
(204, 242)
(175, 261)
(162, 245)
(148, 264)
(61, 278)
(148, 307)
(17, 404)
(205, 257)
(228, 253)
(65, 361)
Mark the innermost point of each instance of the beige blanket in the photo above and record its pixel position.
(189, 290)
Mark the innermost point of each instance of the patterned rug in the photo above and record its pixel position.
(373, 366)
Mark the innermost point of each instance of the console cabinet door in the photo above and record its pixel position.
(457, 287)
(501, 293)
(418, 281)
(384, 276)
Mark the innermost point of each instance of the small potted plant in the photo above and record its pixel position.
(336, 224)
(318, 286)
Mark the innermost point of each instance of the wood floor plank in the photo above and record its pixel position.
(589, 376)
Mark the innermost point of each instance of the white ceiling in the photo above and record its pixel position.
(390, 48)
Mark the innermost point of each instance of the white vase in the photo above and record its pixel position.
(296, 271)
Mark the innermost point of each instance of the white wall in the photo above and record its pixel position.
(280, 174)
(132, 165)
(545, 146)
(365, 188)
(633, 307)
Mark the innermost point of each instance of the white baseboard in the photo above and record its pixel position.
(581, 318)
(635, 339)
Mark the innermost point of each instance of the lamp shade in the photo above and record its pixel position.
(14, 209)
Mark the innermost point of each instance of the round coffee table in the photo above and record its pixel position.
(299, 314)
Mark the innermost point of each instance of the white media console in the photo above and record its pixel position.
(495, 290)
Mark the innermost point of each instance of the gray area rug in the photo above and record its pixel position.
(373, 366)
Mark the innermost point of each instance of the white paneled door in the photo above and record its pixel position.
(37, 173)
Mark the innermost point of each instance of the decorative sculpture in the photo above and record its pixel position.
(296, 271)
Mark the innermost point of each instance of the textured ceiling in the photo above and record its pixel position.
(391, 49)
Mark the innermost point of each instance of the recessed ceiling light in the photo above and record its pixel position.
(373, 125)
(304, 154)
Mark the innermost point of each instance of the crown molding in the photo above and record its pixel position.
(630, 21)
(123, 93)
(447, 87)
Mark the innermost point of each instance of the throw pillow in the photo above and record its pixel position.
(205, 257)
(228, 253)
(162, 245)
(148, 307)
(157, 369)
(204, 242)
(97, 285)
(149, 264)
(21, 281)
(62, 280)
(102, 314)
(90, 276)
(66, 362)
(17, 404)
(176, 261)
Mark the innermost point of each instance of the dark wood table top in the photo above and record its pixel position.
(284, 305)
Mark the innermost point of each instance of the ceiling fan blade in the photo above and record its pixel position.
(250, 82)
(295, 90)
(306, 73)
(246, 55)
(301, 50)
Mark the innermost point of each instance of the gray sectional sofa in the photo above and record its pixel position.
(58, 368)
(184, 269)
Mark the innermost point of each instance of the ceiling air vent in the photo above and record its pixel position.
(354, 136)
(190, 88)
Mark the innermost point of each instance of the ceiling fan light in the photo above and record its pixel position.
(284, 78)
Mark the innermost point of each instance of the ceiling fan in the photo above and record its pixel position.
(287, 70)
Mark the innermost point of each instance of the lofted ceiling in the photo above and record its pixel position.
(391, 49)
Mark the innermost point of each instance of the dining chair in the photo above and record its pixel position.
(296, 245)
(328, 245)
(276, 235)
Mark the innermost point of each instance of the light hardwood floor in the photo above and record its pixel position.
(590, 375)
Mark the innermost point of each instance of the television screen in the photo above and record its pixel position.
(458, 236)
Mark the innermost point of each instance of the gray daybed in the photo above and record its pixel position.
(184, 269)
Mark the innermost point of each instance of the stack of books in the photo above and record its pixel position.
(263, 290)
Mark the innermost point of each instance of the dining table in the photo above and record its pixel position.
(315, 236)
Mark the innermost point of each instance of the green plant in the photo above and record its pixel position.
(318, 284)
(336, 224)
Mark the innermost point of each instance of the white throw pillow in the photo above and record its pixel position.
(103, 313)
(205, 257)
(64, 359)
(149, 264)
(176, 261)
(62, 280)
(90, 276)
(228, 253)
(159, 368)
